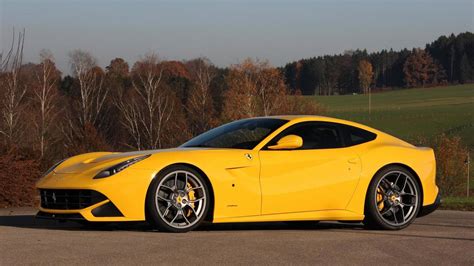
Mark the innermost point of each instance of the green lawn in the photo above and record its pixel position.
(412, 114)
(458, 203)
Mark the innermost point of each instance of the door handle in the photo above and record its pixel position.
(353, 160)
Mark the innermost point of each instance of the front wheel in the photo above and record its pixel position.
(393, 199)
(178, 200)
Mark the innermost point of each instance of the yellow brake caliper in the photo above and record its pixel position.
(191, 197)
(379, 199)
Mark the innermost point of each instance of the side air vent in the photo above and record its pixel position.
(107, 210)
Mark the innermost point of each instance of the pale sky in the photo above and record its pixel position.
(228, 31)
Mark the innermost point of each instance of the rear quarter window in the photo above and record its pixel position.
(356, 136)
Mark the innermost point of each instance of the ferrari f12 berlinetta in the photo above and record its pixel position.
(283, 168)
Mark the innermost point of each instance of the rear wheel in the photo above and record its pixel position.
(178, 200)
(393, 199)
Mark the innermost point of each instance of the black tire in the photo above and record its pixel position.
(376, 218)
(152, 205)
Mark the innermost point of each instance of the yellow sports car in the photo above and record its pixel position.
(282, 168)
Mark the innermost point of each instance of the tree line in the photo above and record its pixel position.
(149, 105)
(153, 103)
(446, 60)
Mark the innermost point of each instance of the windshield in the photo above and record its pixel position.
(241, 134)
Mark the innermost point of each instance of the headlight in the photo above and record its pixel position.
(53, 167)
(119, 167)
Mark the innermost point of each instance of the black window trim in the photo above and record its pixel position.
(347, 139)
(336, 125)
(341, 128)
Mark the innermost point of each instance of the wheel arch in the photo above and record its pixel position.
(408, 168)
(210, 215)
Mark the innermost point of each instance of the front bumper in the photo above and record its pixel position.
(67, 206)
(427, 209)
(123, 196)
(60, 216)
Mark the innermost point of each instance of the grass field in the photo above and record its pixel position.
(412, 114)
(458, 203)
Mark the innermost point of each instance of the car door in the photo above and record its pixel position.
(321, 175)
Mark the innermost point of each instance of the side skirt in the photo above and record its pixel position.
(326, 215)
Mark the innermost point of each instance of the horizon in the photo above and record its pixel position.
(233, 31)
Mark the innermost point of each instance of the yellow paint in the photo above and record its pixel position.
(258, 184)
(287, 143)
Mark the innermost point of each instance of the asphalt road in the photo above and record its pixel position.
(445, 237)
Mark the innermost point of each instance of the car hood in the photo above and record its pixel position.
(100, 160)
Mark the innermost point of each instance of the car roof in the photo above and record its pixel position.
(303, 118)
(292, 117)
(295, 117)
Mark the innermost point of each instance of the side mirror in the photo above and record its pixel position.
(287, 143)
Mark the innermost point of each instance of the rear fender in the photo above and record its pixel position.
(420, 160)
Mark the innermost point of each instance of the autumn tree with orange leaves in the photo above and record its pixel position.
(366, 75)
(420, 70)
(254, 89)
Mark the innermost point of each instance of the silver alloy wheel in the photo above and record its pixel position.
(180, 199)
(396, 198)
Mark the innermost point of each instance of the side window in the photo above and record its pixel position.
(356, 136)
(315, 135)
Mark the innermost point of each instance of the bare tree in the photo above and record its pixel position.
(83, 123)
(149, 106)
(13, 58)
(92, 92)
(131, 119)
(45, 96)
(271, 88)
(12, 92)
(200, 105)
